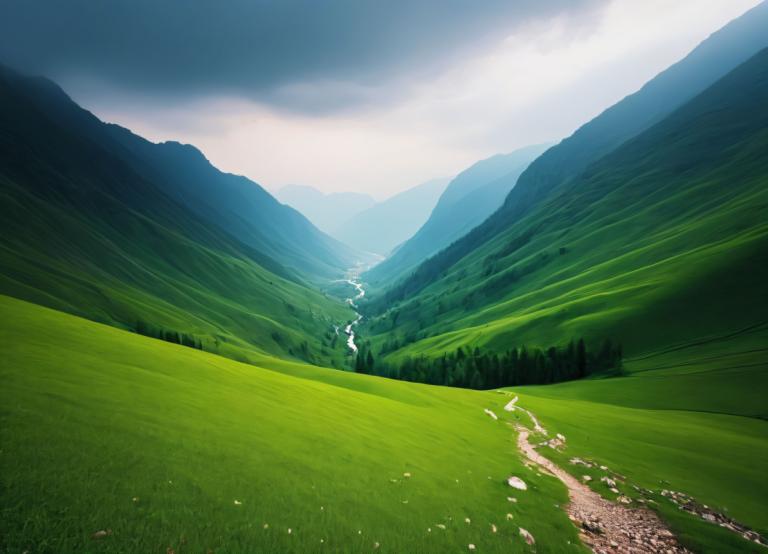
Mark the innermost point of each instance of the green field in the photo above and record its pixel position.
(93, 417)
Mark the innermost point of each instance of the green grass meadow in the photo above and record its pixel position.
(104, 429)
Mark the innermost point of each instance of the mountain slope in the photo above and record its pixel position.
(231, 202)
(662, 241)
(469, 199)
(83, 231)
(384, 226)
(327, 211)
(712, 59)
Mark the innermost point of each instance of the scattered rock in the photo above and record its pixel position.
(101, 534)
(407, 474)
(493, 528)
(624, 499)
(510, 407)
(512, 499)
(527, 537)
(516, 483)
(586, 478)
(238, 503)
(593, 527)
(608, 482)
(471, 546)
(510, 516)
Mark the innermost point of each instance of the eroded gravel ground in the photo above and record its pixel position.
(607, 526)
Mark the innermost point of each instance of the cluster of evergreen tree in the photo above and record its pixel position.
(184, 339)
(364, 362)
(485, 370)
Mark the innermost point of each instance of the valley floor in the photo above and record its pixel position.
(114, 442)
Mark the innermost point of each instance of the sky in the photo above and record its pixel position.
(353, 95)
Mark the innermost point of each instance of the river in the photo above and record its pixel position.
(352, 277)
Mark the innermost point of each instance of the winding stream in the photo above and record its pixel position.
(353, 275)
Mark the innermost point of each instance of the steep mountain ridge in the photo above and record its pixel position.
(628, 249)
(84, 232)
(468, 199)
(712, 59)
(231, 202)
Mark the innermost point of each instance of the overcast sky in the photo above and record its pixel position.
(368, 96)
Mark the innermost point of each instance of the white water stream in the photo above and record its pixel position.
(353, 275)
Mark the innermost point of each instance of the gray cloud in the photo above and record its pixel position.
(307, 55)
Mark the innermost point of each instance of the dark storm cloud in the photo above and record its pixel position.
(268, 50)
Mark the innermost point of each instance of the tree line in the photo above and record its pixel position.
(475, 369)
(184, 339)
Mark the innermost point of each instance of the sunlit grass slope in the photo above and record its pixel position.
(691, 419)
(167, 446)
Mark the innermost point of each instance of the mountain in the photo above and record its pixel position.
(712, 59)
(95, 223)
(468, 200)
(327, 211)
(386, 225)
(660, 243)
(237, 205)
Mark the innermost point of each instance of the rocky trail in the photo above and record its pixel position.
(618, 527)
(606, 526)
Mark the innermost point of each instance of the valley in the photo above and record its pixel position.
(561, 349)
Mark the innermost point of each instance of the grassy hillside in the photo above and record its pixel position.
(232, 203)
(662, 241)
(81, 231)
(722, 52)
(104, 429)
(692, 419)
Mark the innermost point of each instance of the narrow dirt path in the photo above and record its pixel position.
(606, 526)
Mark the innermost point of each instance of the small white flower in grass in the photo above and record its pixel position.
(467, 520)
(322, 540)
(376, 545)
(441, 526)
(266, 526)
(511, 499)
(290, 531)
(322, 508)
(493, 528)
(238, 503)
(510, 516)
(407, 474)
(359, 531)
(135, 499)
(471, 546)
(405, 502)
(429, 529)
